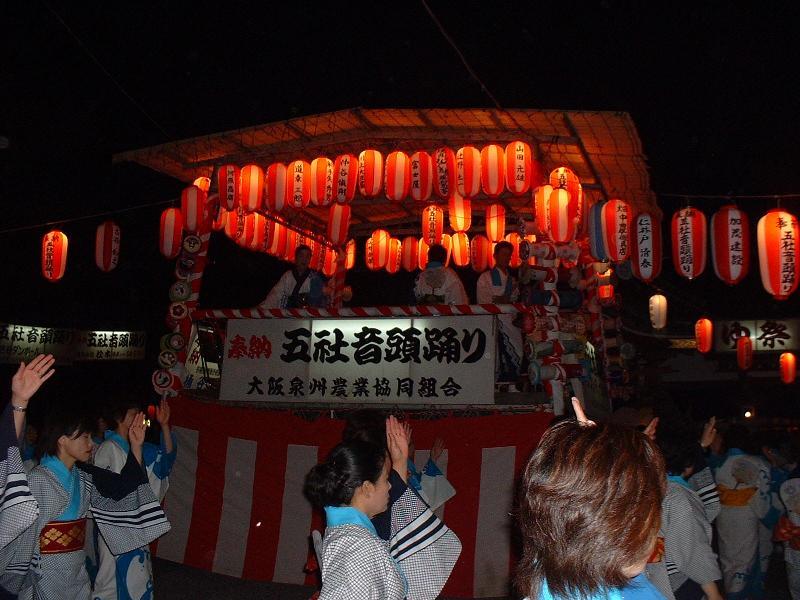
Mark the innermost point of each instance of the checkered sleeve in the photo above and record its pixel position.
(703, 483)
(18, 507)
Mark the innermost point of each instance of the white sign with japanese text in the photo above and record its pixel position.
(432, 360)
(773, 335)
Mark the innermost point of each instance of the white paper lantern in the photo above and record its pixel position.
(658, 311)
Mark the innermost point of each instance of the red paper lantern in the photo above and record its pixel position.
(704, 335)
(562, 214)
(292, 242)
(460, 249)
(380, 240)
(615, 216)
(480, 250)
(278, 239)
(514, 238)
(252, 187)
(495, 222)
(447, 244)
(106, 246)
(689, 242)
(541, 195)
(605, 292)
(422, 253)
(228, 185)
(338, 223)
(203, 183)
(468, 171)
(421, 176)
(565, 178)
(444, 172)
(317, 253)
(234, 224)
(345, 178)
(788, 367)
(369, 255)
(193, 203)
(493, 169)
(255, 232)
(171, 232)
(298, 186)
(398, 176)
(410, 247)
(779, 253)
(459, 212)
(54, 253)
(744, 352)
(395, 259)
(432, 224)
(370, 173)
(275, 190)
(730, 244)
(350, 255)
(329, 262)
(218, 224)
(522, 170)
(321, 175)
(646, 257)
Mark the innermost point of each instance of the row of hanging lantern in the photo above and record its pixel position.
(55, 248)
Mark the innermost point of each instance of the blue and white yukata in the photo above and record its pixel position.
(493, 283)
(639, 588)
(430, 483)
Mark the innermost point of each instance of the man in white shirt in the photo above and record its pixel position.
(299, 287)
(438, 284)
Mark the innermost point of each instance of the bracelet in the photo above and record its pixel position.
(16, 408)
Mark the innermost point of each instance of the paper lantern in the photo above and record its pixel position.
(444, 172)
(193, 203)
(468, 171)
(202, 183)
(345, 178)
(704, 335)
(460, 249)
(493, 170)
(255, 231)
(522, 170)
(495, 222)
(562, 214)
(410, 247)
(228, 185)
(234, 224)
(689, 242)
(730, 244)
(605, 292)
(370, 173)
(321, 175)
(421, 176)
(106, 246)
(350, 255)
(275, 189)
(514, 238)
(292, 242)
(432, 224)
(278, 239)
(317, 253)
(779, 253)
(615, 218)
(658, 311)
(395, 259)
(329, 262)
(338, 223)
(398, 176)
(597, 242)
(459, 212)
(218, 224)
(171, 232)
(54, 253)
(380, 239)
(744, 352)
(646, 254)
(447, 244)
(480, 249)
(531, 239)
(541, 195)
(422, 253)
(298, 184)
(565, 178)
(251, 188)
(788, 367)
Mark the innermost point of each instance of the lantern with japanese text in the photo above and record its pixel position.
(730, 244)
(228, 186)
(422, 253)
(495, 222)
(329, 262)
(345, 178)
(317, 253)
(615, 219)
(561, 215)
(605, 292)
(658, 311)
(171, 232)
(275, 190)
(704, 335)
(298, 184)
(744, 352)
(597, 242)
(480, 250)
(541, 215)
(251, 188)
(398, 176)
(193, 203)
(493, 169)
(321, 175)
(646, 238)
(565, 178)
(444, 172)
(432, 224)
(278, 238)
(54, 253)
(460, 249)
(410, 247)
(106, 246)
(203, 183)
(522, 170)
(395, 259)
(350, 255)
(234, 223)
(421, 176)
(788, 367)
(370, 174)
(338, 223)
(514, 238)
(447, 244)
(779, 253)
(459, 212)
(380, 239)
(369, 255)
(689, 242)
(468, 171)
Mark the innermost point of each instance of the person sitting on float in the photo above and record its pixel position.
(300, 287)
(439, 284)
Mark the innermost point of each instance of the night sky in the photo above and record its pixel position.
(712, 89)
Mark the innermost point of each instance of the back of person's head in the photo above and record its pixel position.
(590, 509)
(61, 420)
(116, 410)
(365, 425)
(437, 253)
(350, 464)
(679, 452)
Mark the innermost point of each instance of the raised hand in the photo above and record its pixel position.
(398, 437)
(709, 432)
(29, 378)
(437, 449)
(162, 413)
(652, 427)
(580, 415)
(137, 431)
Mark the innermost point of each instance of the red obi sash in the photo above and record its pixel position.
(62, 536)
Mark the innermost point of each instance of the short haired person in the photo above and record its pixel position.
(439, 284)
(299, 287)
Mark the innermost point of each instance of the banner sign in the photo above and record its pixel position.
(774, 335)
(24, 342)
(425, 360)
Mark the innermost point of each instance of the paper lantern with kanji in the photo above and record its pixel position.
(646, 239)
(605, 292)
(397, 176)
(432, 224)
(541, 196)
(298, 184)
(193, 203)
(370, 173)
(395, 259)
(54, 253)
(730, 244)
(704, 335)
(444, 172)
(234, 223)
(658, 311)
(251, 189)
(744, 352)
(480, 249)
(345, 178)
(338, 223)
(779, 253)
(228, 186)
(422, 253)
(522, 170)
(421, 176)
(689, 242)
(468, 171)
(514, 238)
(459, 250)
(350, 255)
(410, 247)
(788, 367)
(203, 183)
(380, 239)
(565, 178)
(106, 246)
(493, 170)
(562, 214)
(278, 237)
(171, 232)
(275, 189)
(615, 219)
(447, 243)
(495, 222)
(597, 242)
(321, 175)
(459, 212)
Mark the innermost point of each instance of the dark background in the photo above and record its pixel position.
(712, 88)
